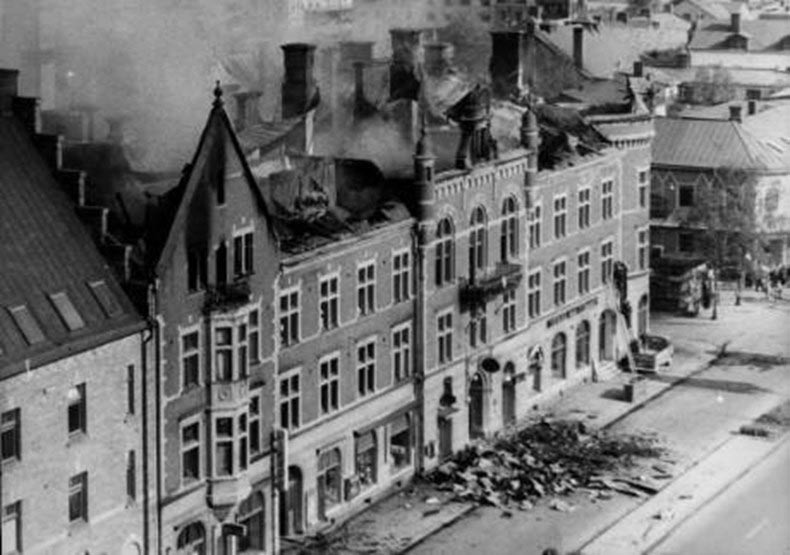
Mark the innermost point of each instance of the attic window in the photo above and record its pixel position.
(66, 311)
(106, 299)
(27, 324)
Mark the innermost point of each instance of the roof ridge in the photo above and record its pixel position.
(742, 135)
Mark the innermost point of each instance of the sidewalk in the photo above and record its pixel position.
(403, 520)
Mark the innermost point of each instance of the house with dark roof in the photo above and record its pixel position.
(74, 374)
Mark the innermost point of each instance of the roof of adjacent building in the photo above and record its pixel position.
(738, 76)
(57, 294)
(772, 126)
(710, 144)
(763, 34)
(716, 10)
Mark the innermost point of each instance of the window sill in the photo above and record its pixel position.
(76, 438)
(11, 463)
(77, 527)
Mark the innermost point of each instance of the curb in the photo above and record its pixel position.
(417, 541)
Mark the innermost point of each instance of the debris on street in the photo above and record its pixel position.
(551, 459)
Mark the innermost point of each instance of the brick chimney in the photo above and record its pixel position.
(751, 107)
(299, 86)
(506, 64)
(735, 113)
(578, 46)
(735, 22)
(246, 109)
(405, 64)
(638, 68)
(9, 88)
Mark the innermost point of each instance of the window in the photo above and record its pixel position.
(197, 269)
(477, 242)
(242, 255)
(444, 333)
(508, 237)
(329, 375)
(401, 352)
(584, 208)
(607, 260)
(255, 424)
(509, 310)
(251, 516)
(560, 216)
(12, 528)
(190, 359)
(190, 452)
(559, 283)
(400, 440)
(11, 432)
(607, 199)
(401, 277)
(192, 539)
(365, 460)
(366, 367)
(583, 344)
(686, 195)
(77, 410)
(643, 188)
(642, 249)
(66, 311)
(27, 324)
(329, 481)
(642, 316)
(533, 294)
(534, 228)
(366, 288)
(223, 446)
(329, 298)
(242, 349)
(131, 477)
(78, 497)
(686, 242)
(289, 402)
(289, 317)
(445, 253)
(583, 276)
(221, 264)
(130, 389)
(223, 353)
(254, 336)
(558, 355)
(243, 441)
(478, 326)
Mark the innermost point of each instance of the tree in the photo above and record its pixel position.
(712, 86)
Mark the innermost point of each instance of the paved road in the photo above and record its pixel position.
(750, 518)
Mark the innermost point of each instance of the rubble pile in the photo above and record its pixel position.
(550, 459)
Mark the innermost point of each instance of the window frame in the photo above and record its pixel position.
(607, 260)
(243, 253)
(642, 248)
(78, 485)
(81, 403)
(329, 302)
(607, 198)
(560, 211)
(478, 241)
(583, 271)
(643, 187)
(289, 315)
(191, 353)
(444, 336)
(509, 323)
(559, 283)
(193, 445)
(366, 366)
(366, 287)
(444, 256)
(508, 242)
(329, 384)
(291, 400)
(534, 287)
(13, 512)
(11, 424)
(401, 352)
(584, 197)
(401, 276)
(535, 224)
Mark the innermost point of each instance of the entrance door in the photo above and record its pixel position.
(291, 504)
(445, 438)
(476, 407)
(509, 395)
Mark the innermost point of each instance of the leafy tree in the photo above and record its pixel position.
(712, 86)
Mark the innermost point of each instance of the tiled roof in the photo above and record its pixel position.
(701, 143)
(46, 250)
(763, 34)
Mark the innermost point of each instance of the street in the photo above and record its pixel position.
(751, 517)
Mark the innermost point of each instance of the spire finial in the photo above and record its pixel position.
(217, 95)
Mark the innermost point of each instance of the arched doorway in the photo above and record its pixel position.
(606, 331)
(583, 344)
(642, 316)
(291, 511)
(535, 362)
(476, 406)
(192, 539)
(509, 394)
(445, 424)
(559, 356)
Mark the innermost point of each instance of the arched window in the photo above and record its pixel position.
(583, 344)
(192, 539)
(559, 348)
(251, 516)
(329, 481)
(508, 238)
(642, 316)
(445, 252)
(606, 329)
(477, 242)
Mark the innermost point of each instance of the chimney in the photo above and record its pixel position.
(735, 113)
(9, 88)
(50, 147)
(506, 64)
(299, 87)
(438, 58)
(751, 107)
(246, 109)
(27, 110)
(405, 65)
(735, 22)
(638, 68)
(578, 46)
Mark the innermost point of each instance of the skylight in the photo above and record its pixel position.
(105, 298)
(66, 311)
(27, 324)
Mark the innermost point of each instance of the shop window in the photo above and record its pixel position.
(329, 481)
(559, 347)
(583, 344)
(366, 455)
(400, 441)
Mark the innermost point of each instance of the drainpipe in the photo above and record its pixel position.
(146, 335)
(153, 297)
(420, 237)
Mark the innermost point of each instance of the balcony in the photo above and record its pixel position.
(229, 395)
(227, 297)
(480, 289)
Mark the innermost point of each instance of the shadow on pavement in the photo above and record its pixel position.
(706, 383)
(743, 358)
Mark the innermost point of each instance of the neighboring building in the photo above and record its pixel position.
(74, 395)
(739, 43)
(691, 154)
